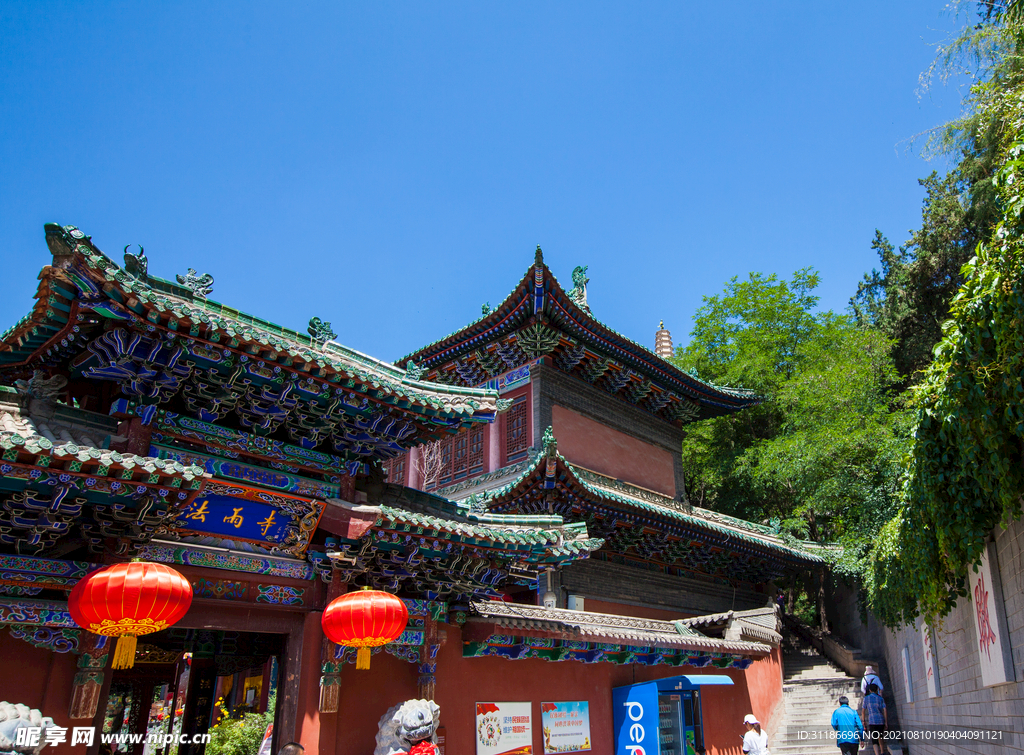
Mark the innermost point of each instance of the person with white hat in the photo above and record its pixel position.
(755, 741)
(870, 677)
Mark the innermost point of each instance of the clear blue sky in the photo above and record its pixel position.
(391, 166)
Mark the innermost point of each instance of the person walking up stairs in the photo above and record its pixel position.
(811, 690)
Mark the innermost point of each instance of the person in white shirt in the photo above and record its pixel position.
(755, 741)
(870, 677)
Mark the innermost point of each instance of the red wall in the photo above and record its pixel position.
(40, 679)
(462, 682)
(602, 449)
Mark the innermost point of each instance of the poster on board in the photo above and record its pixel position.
(504, 729)
(566, 727)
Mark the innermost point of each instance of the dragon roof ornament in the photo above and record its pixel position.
(320, 331)
(200, 285)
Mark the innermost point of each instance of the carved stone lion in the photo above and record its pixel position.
(406, 724)
(18, 716)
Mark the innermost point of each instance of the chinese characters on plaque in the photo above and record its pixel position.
(994, 660)
(235, 518)
(931, 665)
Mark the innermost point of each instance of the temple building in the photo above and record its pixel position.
(517, 484)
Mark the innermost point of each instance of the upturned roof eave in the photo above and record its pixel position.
(163, 295)
(506, 493)
(592, 331)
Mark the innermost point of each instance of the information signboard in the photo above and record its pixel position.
(504, 729)
(566, 727)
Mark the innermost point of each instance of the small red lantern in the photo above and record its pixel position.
(128, 600)
(364, 619)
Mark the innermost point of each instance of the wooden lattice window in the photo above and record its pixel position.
(516, 440)
(476, 451)
(394, 469)
(462, 457)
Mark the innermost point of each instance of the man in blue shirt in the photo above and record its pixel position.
(846, 721)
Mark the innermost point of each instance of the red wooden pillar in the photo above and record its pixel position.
(307, 719)
(88, 682)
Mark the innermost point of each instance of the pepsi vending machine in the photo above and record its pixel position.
(661, 717)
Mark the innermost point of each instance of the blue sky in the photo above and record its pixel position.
(389, 167)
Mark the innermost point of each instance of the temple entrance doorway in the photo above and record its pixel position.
(187, 683)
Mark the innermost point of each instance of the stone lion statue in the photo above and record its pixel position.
(18, 716)
(409, 728)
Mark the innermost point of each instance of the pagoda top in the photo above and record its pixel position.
(541, 319)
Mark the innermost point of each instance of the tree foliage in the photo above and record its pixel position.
(966, 473)
(817, 453)
(909, 298)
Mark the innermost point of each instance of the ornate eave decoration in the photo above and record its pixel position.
(647, 524)
(453, 555)
(541, 320)
(167, 340)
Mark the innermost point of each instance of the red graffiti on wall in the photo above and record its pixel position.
(986, 637)
(928, 651)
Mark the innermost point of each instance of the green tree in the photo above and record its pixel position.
(909, 298)
(820, 452)
(965, 472)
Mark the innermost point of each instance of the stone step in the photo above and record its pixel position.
(811, 690)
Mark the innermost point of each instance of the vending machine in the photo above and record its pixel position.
(661, 717)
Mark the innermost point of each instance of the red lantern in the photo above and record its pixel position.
(127, 600)
(364, 619)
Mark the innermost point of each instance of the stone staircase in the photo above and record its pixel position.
(811, 690)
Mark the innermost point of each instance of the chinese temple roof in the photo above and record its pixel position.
(62, 489)
(540, 319)
(758, 624)
(517, 618)
(168, 343)
(628, 517)
(420, 544)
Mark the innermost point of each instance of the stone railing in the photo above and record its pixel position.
(846, 657)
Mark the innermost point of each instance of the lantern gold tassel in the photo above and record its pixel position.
(124, 653)
(363, 659)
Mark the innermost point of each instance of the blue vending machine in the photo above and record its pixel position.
(661, 717)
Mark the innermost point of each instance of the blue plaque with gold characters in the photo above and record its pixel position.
(235, 519)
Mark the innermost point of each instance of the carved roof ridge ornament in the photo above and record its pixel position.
(550, 442)
(136, 264)
(200, 285)
(414, 371)
(320, 331)
(578, 293)
(538, 256)
(537, 340)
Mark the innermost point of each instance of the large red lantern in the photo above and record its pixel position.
(128, 600)
(364, 619)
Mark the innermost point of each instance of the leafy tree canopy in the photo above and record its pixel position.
(966, 474)
(819, 452)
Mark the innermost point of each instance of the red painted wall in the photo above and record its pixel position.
(462, 682)
(365, 697)
(40, 679)
(758, 690)
(602, 449)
